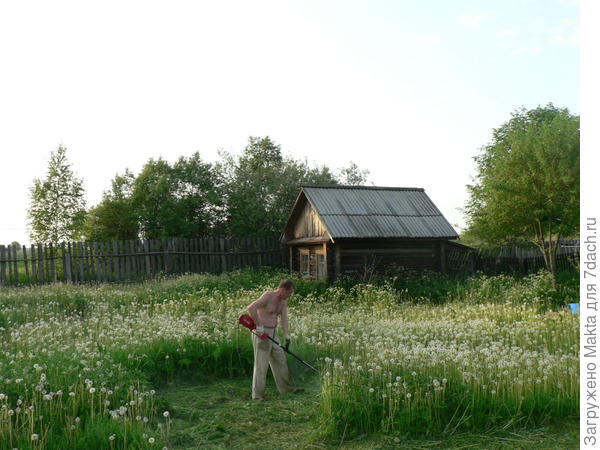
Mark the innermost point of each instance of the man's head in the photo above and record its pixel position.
(285, 289)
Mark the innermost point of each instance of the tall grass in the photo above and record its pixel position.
(482, 352)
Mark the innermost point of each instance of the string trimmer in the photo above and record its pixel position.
(247, 321)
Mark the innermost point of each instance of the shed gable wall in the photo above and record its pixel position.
(308, 223)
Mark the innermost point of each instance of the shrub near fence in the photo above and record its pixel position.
(132, 260)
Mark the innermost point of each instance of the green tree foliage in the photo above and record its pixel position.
(176, 200)
(57, 208)
(261, 185)
(353, 175)
(527, 183)
(114, 218)
(250, 194)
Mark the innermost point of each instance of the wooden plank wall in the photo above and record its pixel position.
(134, 260)
(308, 223)
(375, 255)
(354, 255)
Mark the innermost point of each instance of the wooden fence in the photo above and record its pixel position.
(512, 258)
(133, 260)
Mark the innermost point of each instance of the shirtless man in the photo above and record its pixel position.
(264, 311)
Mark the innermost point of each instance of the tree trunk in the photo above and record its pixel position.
(548, 249)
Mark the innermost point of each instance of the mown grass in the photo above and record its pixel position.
(219, 414)
(131, 339)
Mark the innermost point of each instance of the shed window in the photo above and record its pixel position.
(304, 263)
(312, 263)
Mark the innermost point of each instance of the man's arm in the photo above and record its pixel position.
(255, 305)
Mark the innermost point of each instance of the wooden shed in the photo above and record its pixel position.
(335, 229)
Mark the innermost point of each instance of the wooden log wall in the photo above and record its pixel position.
(134, 260)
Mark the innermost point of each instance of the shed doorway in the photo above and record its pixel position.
(312, 263)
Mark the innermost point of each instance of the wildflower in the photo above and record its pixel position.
(408, 395)
(35, 437)
(151, 440)
(166, 414)
(371, 390)
(92, 390)
(111, 437)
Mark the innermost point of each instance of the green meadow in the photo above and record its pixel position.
(411, 361)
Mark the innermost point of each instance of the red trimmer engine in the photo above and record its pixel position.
(247, 321)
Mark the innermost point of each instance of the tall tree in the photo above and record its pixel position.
(176, 200)
(57, 209)
(527, 183)
(353, 175)
(114, 218)
(260, 187)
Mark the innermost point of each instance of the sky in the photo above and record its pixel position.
(408, 90)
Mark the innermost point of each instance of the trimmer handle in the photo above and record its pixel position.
(247, 321)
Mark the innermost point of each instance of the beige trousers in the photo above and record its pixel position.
(267, 353)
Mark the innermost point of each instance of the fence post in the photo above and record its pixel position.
(68, 275)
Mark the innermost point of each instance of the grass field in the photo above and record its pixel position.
(419, 361)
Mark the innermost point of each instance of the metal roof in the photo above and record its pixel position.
(378, 212)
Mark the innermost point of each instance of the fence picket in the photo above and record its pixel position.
(41, 268)
(108, 261)
(26, 262)
(33, 264)
(2, 265)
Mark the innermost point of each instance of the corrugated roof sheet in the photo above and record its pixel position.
(378, 212)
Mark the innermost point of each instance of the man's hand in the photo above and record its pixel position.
(260, 331)
(288, 341)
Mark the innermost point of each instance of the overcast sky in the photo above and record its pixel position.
(409, 90)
